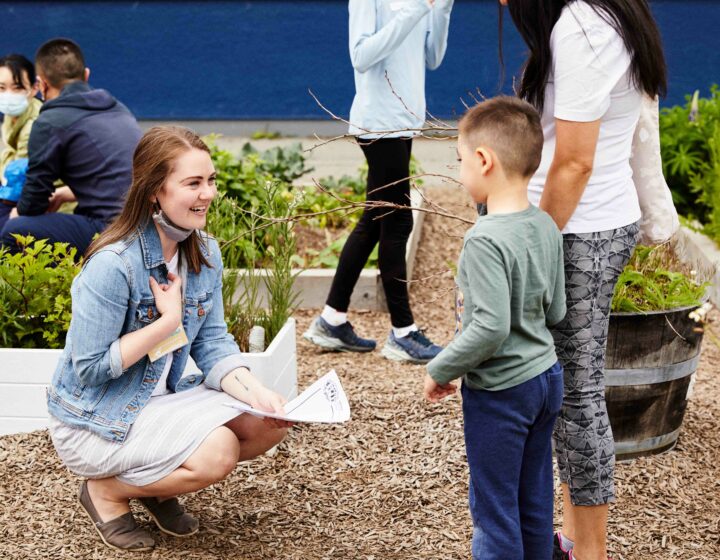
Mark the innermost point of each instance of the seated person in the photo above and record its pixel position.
(83, 137)
(20, 107)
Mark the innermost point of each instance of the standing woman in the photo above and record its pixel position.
(391, 44)
(20, 107)
(124, 414)
(589, 65)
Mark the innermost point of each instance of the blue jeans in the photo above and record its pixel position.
(74, 229)
(508, 441)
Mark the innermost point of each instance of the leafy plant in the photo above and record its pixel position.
(233, 229)
(265, 134)
(35, 294)
(282, 164)
(327, 208)
(280, 280)
(690, 145)
(655, 280)
(245, 305)
(329, 256)
(242, 297)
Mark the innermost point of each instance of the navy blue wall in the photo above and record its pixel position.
(256, 59)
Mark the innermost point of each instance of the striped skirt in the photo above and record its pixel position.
(167, 431)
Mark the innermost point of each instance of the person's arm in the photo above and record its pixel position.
(245, 387)
(217, 355)
(436, 40)
(60, 196)
(100, 299)
(489, 292)
(45, 151)
(369, 45)
(168, 301)
(571, 168)
(214, 350)
(557, 309)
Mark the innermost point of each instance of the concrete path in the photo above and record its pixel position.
(343, 157)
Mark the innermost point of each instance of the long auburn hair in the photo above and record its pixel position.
(152, 163)
(632, 19)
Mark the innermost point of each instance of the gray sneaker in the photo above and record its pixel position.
(340, 339)
(415, 348)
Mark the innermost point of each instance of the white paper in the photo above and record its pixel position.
(324, 401)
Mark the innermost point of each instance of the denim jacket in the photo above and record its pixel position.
(111, 297)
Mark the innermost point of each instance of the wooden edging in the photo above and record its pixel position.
(701, 253)
(313, 284)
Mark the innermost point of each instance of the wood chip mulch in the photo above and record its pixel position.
(392, 483)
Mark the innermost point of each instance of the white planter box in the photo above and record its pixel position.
(25, 375)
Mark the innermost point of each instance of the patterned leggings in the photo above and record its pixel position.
(583, 438)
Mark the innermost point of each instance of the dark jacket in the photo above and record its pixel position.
(85, 138)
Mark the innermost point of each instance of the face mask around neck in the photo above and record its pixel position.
(176, 233)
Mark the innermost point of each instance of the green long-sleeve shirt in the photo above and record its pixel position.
(512, 288)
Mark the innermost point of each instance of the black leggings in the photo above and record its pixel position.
(388, 169)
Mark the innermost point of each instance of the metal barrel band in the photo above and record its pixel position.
(642, 446)
(651, 375)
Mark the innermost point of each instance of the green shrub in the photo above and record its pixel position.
(690, 144)
(655, 280)
(35, 294)
(242, 184)
(282, 164)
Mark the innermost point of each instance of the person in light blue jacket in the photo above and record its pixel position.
(125, 413)
(392, 42)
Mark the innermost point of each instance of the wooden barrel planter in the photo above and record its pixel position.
(650, 360)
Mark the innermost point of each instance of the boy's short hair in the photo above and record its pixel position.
(511, 128)
(60, 61)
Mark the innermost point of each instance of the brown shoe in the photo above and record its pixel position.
(170, 517)
(121, 533)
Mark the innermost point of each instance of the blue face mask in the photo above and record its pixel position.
(13, 104)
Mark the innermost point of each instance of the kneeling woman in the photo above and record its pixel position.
(123, 413)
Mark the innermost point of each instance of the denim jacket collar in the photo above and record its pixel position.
(151, 245)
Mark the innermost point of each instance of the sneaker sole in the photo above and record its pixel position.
(334, 344)
(401, 356)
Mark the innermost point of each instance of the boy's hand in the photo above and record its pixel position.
(435, 392)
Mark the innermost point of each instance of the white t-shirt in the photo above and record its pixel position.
(161, 387)
(590, 80)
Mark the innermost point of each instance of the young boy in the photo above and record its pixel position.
(511, 274)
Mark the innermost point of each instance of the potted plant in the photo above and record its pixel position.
(653, 348)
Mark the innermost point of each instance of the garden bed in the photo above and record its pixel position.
(313, 284)
(26, 373)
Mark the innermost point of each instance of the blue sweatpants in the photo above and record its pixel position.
(74, 229)
(508, 437)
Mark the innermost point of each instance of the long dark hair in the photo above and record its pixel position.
(152, 163)
(632, 19)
